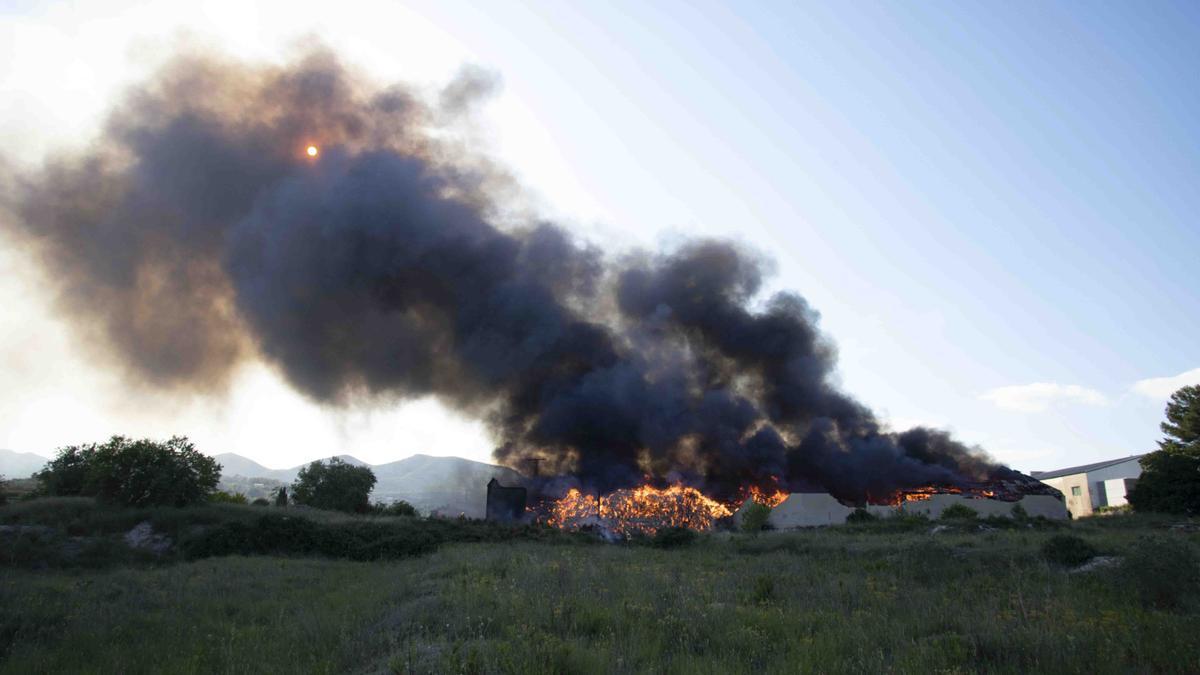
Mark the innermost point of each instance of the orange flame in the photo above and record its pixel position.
(920, 494)
(644, 510)
(771, 499)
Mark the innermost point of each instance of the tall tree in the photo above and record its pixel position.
(335, 485)
(1183, 418)
(133, 472)
(1170, 480)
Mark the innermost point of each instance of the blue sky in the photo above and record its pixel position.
(991, 204)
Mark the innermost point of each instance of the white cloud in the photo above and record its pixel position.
(1161, 388)
(1039, 396)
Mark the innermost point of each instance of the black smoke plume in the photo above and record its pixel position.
(196, 233)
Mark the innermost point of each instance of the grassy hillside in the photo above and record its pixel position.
(838, 600)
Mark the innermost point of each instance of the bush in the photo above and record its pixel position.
(261, 501)
(754, 517)
(764, 590)
(959, 512)
(1163, 573)
(287, 535)
(222, 497)
(673, 537)
(1067, 550)
(1170, 481)
(861, 516)
(334, 485)
(133, 473)
(3, 491)
(397, 508)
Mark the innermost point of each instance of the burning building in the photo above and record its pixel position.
(204, 230)
(504, 504)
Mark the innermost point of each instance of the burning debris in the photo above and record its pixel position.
(336, 229)
(640, 510)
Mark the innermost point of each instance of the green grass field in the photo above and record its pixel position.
(861, 600)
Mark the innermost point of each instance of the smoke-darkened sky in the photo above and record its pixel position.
(303, 216)
(992, 220)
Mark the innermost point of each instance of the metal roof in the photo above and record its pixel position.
(1069, 471)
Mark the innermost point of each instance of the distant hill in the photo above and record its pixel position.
(236, 465)
(449, 485)
(20, 464)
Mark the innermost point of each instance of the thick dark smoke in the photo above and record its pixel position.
(196, 234)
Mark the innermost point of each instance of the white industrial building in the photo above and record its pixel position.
(1091, 486)
(818, 509)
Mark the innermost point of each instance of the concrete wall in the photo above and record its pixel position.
(820, 509)
(808, 509)
(1034, 505)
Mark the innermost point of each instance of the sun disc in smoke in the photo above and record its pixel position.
(312, 151)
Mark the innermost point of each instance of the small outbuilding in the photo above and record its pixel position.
(505, 504)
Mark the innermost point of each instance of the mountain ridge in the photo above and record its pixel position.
(15, 464)
(446, 485)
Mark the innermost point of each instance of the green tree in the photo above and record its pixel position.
(3, 494)
(397, 508)
(1183, 419)
(334, 485)
(133, 472)
(754, 517)
(222, 497)
(1170, 480)
(66, 474)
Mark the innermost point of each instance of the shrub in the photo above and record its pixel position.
(222, 497)
(764, 590)
(334, 485)
(3, 491)
(673, 537)
(287, 535)
(958, 512)
(1067, 550)
(1163, 573)
(133, 473)
(261, 501)
(1019, 513)
(861, 516)
(1170, 480)
(754, 517)
(397, 508)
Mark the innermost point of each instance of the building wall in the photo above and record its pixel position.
(1034, 505)
(1093, 486)
(820, 509)
(1116, 490)
(1099, 481)
(808, 510)
(1081, 504)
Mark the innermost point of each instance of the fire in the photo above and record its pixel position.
(762, 496)
(920, 494)
(641, 510)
